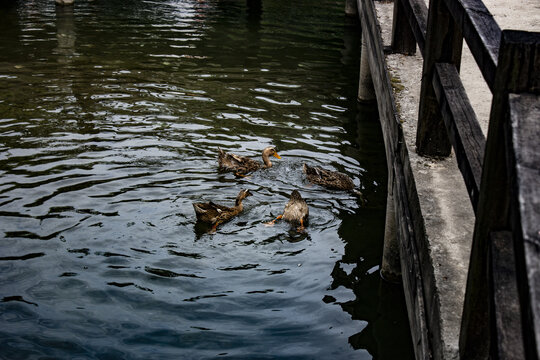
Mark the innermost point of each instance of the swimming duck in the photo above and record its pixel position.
(331, 179)
(242, 165)
(215, 214)
(296, 211)
(328, 178)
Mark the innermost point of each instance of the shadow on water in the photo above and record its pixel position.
(254, 15)
(380, 304)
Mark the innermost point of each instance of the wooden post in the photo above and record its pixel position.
(403, 40)
(523, 162)
(63, 2)
(254, 7)
(506, 314)
(517, 71)
(351, 8)
(443, 44)
(366, 92)
(254, 14)
(391, 264)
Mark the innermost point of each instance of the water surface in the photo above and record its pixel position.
(111, 113)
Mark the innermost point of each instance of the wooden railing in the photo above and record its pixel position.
(501, 316)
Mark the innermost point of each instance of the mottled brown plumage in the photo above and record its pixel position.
(296, 211)
(242, 165)
(327, 178)
(215, 214)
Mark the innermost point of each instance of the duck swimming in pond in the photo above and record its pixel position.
(242, 165)
(215, 214)
(296, 211)
(330, 179)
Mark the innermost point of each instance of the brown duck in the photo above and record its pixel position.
(241, 165)
(296, 211)
(331, 179)
(328, 178)
(215, 214)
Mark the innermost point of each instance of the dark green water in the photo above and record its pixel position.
(111, 113)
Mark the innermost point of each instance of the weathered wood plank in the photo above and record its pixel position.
(426, 272)
(394, 146)
(411, 269)
(462, 125)
(443, 44)
(416, 13)
(524, 163)
(508, 336)
(481, 33)
(403, 38)
(517, 71)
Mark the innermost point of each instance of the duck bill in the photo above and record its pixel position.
(276, 155)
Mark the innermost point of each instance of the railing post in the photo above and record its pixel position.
(366, 91)
(517, 72)
(391, 261)
(506, 312)
(351, 8)
(403, 40)
(523, 162)
(63, 2)
(443, 45)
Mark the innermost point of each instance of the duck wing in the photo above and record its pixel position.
(210, 212)
(232, 162)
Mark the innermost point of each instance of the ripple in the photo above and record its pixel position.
(276, 102)
(22, 257)
(240, 267)
(282, 85)
(168, 273)
(188, 255)
(17, 298)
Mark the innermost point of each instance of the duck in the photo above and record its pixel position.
(330, 179)
(214, 214)
(296, 211)
(242, 165)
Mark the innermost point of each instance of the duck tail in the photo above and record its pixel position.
(295, 195)
(198, 209)
(308, 169)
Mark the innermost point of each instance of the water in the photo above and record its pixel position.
(111, 114)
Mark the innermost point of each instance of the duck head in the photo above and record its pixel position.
(267, 152)
(244, 193)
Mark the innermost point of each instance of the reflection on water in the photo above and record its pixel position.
(111, 114)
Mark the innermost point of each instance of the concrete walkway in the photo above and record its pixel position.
(445, 205)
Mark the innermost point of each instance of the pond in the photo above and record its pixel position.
(111, 116)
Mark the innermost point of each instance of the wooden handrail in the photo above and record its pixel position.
(481, 32)
(501, 173)
(475, 22)
(464, 130)
(517, 72)
(444, 43)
